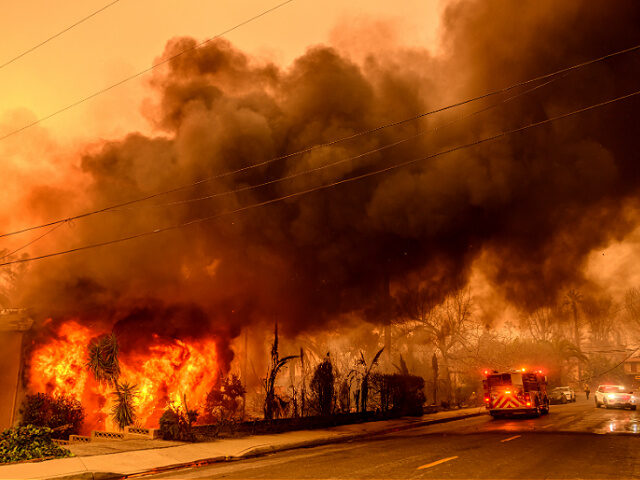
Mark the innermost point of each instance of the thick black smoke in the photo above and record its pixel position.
(536, 202)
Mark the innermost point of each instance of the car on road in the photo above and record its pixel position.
(615, 396)
(562, 395)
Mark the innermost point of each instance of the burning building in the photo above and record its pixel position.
(271, 229)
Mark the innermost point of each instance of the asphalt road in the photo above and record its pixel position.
(574, 441)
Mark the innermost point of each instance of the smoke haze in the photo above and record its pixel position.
(528, 209)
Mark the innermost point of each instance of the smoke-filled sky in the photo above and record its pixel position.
(530, 212)
(126, 38)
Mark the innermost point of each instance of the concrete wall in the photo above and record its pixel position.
(10, 352)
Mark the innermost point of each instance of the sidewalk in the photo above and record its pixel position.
(115, 465)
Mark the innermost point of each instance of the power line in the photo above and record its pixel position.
(142, 72)
(330, 185)
(349, 159)
(56, 35)
(610, 369)
(299, 152)
(322, 167)
(13, 252)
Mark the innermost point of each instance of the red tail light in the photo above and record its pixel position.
(528, 404)
(486, 399)
(527, 398)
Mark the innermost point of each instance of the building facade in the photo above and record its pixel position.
(13, 325)
(632, 371)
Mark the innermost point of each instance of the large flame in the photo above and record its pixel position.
(167, 371)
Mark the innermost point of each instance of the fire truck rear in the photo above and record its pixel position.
(515, 392)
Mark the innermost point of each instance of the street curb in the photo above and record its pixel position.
(261, 450)
(255, 452)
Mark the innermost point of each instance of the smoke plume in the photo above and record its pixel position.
(532, 205)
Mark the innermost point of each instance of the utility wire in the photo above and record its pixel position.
(51, 230)
(322, 167)
(299, 152)
(142, 72)
(330, 185)
(610, 369)
(350, 159)
(52, 37)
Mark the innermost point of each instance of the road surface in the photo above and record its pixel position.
(574, 441)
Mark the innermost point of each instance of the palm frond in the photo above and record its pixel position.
(374, 362)
(102, 359)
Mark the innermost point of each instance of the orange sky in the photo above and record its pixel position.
(127, 36)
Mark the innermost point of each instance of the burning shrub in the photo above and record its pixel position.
(177, 421)
(28, 442)
(322, 388)
(223, 401)
(62, 414)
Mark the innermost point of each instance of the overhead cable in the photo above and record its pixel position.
(298, 152)
(141, 72)
(56, 35)
(326, 186)
(313, 170)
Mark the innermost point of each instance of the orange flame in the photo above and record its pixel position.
(58, 367)
(167, 370)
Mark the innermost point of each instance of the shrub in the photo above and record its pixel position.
(223, 401)
(177, 421)
(322, 388)
(402, 394)
(28, 442)
(62, 414)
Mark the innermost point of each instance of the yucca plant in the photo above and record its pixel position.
(102, 359)
(366, 373)
(123, 411)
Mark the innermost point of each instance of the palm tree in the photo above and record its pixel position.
(565, 351)
(123, 411)
(364, 384)
(102, 359)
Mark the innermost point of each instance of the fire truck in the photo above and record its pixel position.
(515, 392)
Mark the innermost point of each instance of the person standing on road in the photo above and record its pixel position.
(587, 391)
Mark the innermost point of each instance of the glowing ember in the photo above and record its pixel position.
(167, 370)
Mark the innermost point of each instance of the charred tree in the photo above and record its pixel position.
(273, 403)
